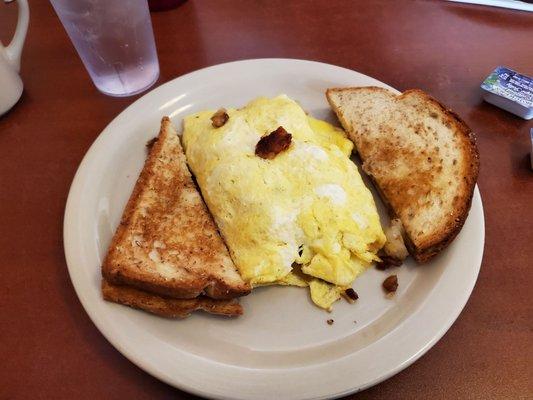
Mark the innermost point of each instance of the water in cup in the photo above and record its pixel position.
(115, 41)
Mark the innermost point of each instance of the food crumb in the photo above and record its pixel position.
(390, 284)
(350, 295)
(388, 262)
(330, 321)
(150, 143)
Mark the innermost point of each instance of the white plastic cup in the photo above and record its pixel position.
(115, 41)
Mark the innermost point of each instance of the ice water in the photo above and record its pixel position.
(115, 41)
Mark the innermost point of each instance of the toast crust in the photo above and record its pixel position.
(167, 242)
(165, 306)
(394, 197)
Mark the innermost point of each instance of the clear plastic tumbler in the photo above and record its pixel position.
(115, 41)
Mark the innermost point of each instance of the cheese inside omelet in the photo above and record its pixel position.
(306, 209)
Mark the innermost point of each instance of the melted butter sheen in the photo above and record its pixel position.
(295, 208)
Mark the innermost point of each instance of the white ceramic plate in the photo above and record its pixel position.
(282, 347)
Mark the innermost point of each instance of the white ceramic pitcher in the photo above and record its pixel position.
(10, 82)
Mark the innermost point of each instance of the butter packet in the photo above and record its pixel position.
(509, 90)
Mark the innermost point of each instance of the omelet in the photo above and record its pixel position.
(301, 218)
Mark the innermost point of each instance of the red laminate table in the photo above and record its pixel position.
(49, 348)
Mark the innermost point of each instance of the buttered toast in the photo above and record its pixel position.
(421, 156)
(167, 242)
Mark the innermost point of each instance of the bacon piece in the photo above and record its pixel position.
(219, 118)
(271, 145)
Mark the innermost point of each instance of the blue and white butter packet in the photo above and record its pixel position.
(531, 154)
(509, 90)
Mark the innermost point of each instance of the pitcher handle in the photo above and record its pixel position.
(14, 50)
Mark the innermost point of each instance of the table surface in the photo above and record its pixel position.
(48, 345)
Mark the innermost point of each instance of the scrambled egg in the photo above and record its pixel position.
(303, 218)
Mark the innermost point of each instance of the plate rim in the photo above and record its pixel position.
(68, 227)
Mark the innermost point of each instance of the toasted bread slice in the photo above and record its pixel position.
(167, 242)
(421, 156)
(166, 306)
